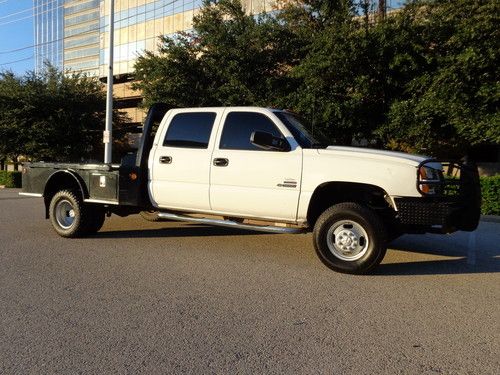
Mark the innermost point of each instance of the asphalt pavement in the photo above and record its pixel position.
(172, 298)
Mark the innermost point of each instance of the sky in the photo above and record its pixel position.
(16, 31)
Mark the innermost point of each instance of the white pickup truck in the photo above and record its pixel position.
(259, 168)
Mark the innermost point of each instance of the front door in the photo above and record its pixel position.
(248, 181)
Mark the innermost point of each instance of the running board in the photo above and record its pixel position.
(230, 224)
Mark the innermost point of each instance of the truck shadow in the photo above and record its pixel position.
(406, 255)
(485, 258)
(187, 230)
(437, 267)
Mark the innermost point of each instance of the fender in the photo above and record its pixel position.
(64, 174)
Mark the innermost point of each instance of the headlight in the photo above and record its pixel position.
(428, 174)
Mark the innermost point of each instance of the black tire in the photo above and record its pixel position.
(150, 215)
(96, 218)
(68, 214)
(350, 238)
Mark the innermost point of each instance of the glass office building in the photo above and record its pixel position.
(48, 32)
(81, 36)
(67, 34)
(74, 35)
(138, 23)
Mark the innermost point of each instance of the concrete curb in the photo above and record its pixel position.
(490, 218)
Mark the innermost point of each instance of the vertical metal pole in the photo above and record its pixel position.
(108, 133)
(35, 38)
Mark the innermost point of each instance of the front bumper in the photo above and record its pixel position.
(455, 202)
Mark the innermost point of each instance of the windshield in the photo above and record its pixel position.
(296, 126)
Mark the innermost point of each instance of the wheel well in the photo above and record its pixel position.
(61, 180)
(330, 193)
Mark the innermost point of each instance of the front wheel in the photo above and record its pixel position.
(350, 238)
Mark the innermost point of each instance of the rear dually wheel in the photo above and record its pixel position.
(68, 214)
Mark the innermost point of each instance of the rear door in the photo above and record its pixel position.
(180, 164)
(249, 181)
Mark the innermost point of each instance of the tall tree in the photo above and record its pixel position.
(231, 58)
(424, 78)
(13, 124)
(52, 116)
(338, 90)
(446, 54)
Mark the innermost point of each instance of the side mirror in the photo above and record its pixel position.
(269, 142)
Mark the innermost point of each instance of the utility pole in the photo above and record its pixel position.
(108, 132)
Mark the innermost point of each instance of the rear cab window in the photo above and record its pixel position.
(190, 130)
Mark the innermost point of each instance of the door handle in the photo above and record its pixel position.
(221, 162)
(165, 159)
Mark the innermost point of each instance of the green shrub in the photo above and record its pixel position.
(490, 188)
(10, 179)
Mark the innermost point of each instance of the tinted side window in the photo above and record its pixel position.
(239, 126)
(191, 130)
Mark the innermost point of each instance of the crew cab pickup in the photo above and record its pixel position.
(259, 168)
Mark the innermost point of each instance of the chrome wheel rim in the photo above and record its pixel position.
(65, 214)
(347, 240)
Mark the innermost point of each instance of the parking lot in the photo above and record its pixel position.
(141, 297)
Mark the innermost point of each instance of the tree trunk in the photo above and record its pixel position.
(381, 9)
(365, 5)
(15, 159)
